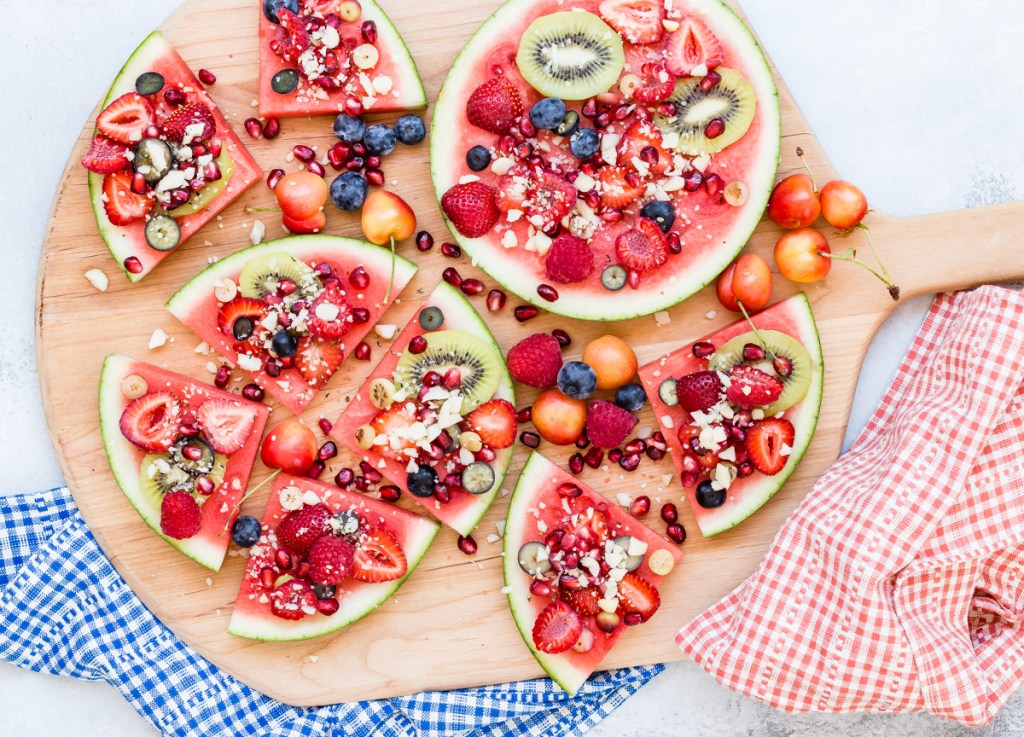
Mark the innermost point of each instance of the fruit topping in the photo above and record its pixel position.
(620, 187)
(422, 481)
(692, 49)
(293, 600)
(471, 208)
(317, 360)
(105, 156)
(151, 421)
(608, 425)
(778, 347)
(643, 247)
(301, 528)
(642, 149)
(330, 315)
(126, 118)
(559, 419)
(548, 113)
(751, 387)
(180, 516)
(290, 446)
(769, 443)
(557, 629)
(584, 601)
(121, 204)
(638, 21)
(190, 124)
(162, 233)
(495, 423)
(378, 557)
(478, 477)
(495, 106)
(706, 121)
(478, 364)
(637, 595)
(613, 361)
(536, 360)
(225, 424)
(577, 380)
(570, 260)
(331, 560)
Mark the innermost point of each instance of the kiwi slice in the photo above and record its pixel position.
(211, 191)
(261, 274)
(199, 466)
(160, 474)
(732, 101)
(571, 56)
(795, 385)
(479, 362)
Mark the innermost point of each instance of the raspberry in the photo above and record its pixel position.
(536, 360)
(495, 106)
(752, 387)
(293, 600)
(698, 391)
(471, 208)
(642, 248)
(570, 260)
(332, 326)
(608, 424)
(300, 529)
(330, 560)
(180, 517)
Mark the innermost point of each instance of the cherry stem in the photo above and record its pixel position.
(753, 327)
(248, 494)
(262, 209)
(391, 280)
(888, 279)
(894, 291)
(800, 154)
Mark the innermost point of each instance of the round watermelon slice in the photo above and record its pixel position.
(711, 231)
(537, 510)
(463, 511)
(238, 167)
(391, 83)
(218, 510)
(744, 496)
(252, 617)
(197, 306)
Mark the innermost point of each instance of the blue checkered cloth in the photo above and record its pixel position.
(65, 610)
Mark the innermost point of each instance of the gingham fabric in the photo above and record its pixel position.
(898, 583)
(65, 610)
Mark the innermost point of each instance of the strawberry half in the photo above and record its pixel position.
(752, 387)
(644, 134)
(638, 595)
(616, 190)
(550, 199)
(151, 421)
(643, 247)
(769, 443)
(471, 208)
(557, 628)
(379, 557)
(119, 202)
(293, 600)
(254, 311)
(330, 316)
(105, 156)
(495, 423)
(393, 423)
(176, 125)
(298, 530)
(513, 189)
(691, 45)
(290, 39)
(317, 360)
(225, 423)
(584, 601)
(637, 21)
(495, 106)
(698, 391)
(590, 517)
(126, 118)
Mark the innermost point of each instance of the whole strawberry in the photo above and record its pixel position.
(699, 391)
(569, 260)
(495, 106)
(179, 125)
(301, 528)
(471, 209)
(180, 517)
(608, 424)
(330, 560)
(536, 360)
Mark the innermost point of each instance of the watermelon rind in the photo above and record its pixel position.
(398, 52)
(627, 303)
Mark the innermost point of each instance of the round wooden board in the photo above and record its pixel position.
(449, 626)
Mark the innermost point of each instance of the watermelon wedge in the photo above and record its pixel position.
(255, 280)
(139, 473)
(744, 495)
(319, 62)
(462, 510)
(237, 168)
(549, 505)
(613, 183)
(253, 617)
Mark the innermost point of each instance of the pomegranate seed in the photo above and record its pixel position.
(589, 109)
(253, 392)
(451, 250)
(360, 315)
(676, 533)
(198, 150)
(506, 144)
(197, 184)
(283, 559)
(753, 352)
(335, 158)
(315, 167)
(206, 77)
(151, 132)
(327, 607)
(271, 129)
(783, 366)
(567, 582)
(424, 241)
(362, 351)
(354, 107)
(344, 477)
(204, 485)
(744, 469)
(216, 146)
(356, 163)
(603, 120)
(316, 469)
(539, 588)
(554, 540)
(524, 415)
(179, 197)
(359, 278)
(467, 544)
(692, 180)
(375, 177)
(431, 378)
(174, 96)
(711, 79)
(327, 451)
(649, 155)
(629, 462)
(615, 455)
(272, 367)
(529, 439)
(303, 153)
(220, 380)
(583, 441)
(523, 313)
(547, 292)
(372, 474)
(253, 128)
(495, 300)
(633, 179)
(325, 425)
(564, 341)
(471, 287)
(373, 162)
(623, 111)
(390, 493)
(594, 457)
(576, 464)
(713, 184)
(612, 215)
(688, 480)
(632, 619)
(417, 345)
(212, 172)
(703, 348)
(674, 245)
(655, 454)
(524, 150)
(268, 577)
(526, 126)
(589, 168)
(332, 282)
(667, 109)
(452, 379)
(640, 506)
(362, 484)
(274, 177)
(633, 279)
(369, 31)
(714, 128)
(327, 82)
(451, 275)
(593, 199)
(139, 185)
(569, 490)
(635, 446)
(658, 439)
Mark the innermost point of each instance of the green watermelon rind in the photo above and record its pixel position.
(624, 305)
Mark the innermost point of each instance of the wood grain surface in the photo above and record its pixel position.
(449, 626)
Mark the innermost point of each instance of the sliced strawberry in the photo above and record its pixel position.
(643, 247)
(495, 423)
(551, 198)
(126, 118)
(513, 189)
(691, 45)
(299, 529)
(637, 21)
(584, 601)
(193, 123)
(290, 39)
(698, 391)
(495, 106)
(330, 315)
(639, 136)
(151, 421)
(379, 557)
(557, 628)
(393, 423)
(752, 387)
(105, 156)
(119, 202)
(293, 600)
(616, 190)
(588, 516)
(769, 443)
(252, 310)
(225, 423)
(638, 595)
(317, 360)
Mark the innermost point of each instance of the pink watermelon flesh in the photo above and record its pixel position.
(253, 618)
(745, 496)
(395, 71)
(197, 307)
(710, 231)
(218, 510)
(464, 510)
(155, 54)
(536, 509)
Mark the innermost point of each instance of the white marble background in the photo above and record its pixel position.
(921, 103)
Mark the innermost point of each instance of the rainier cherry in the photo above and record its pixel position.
(387, 218)
(800, 255)
(748, 281)
(843, 204)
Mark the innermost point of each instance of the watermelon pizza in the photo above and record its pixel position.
(437, 415)
(606, 159)
(578, 571)
(288, 312)
(323, 57)
(738, 409)
(163, 160)
(180, 450)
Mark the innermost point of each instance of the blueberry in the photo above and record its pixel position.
(708, 496)
(243, 328)
(284, 344)
(422, 481)
(577, 380)
(270, 8)
(325, 591)
(379, 139)
(631, 397)
(410, 129)
(349, 128)
(547, 114)
(584, 143)
(345, 523)
(431, 318)
(569, 125)
(246, 531)
(661, 213)
(348, 190)
(478, 158)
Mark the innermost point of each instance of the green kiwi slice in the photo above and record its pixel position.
(160, 474)
(261, 274)
(478, 361)
(775, 344)
(571, 56)
(732, 101)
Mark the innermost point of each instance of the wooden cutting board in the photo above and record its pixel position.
(449, 626)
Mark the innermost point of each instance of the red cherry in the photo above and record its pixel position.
(843, 204)
(794, 202)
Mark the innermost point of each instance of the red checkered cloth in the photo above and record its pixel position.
(898, 583)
